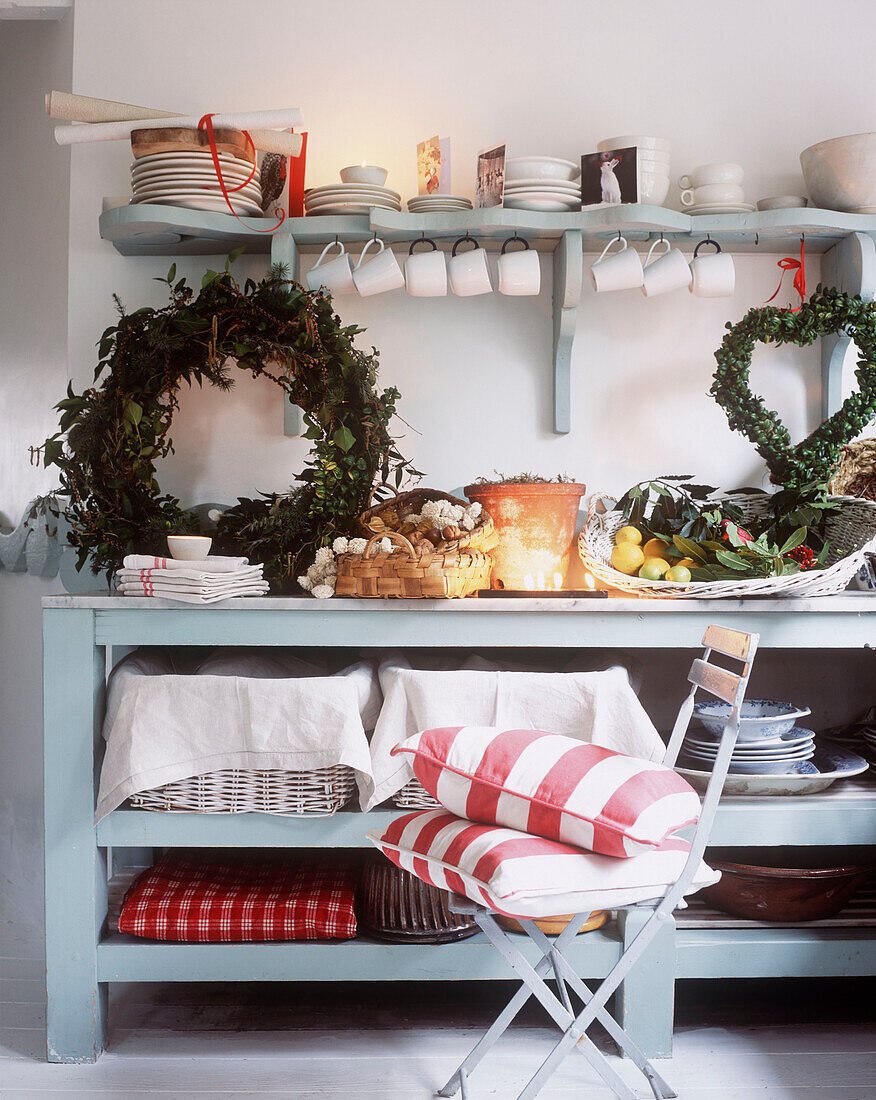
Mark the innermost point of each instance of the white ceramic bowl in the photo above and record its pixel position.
(653, 164)
(783, 202)
(626, 140)
(364, 173)
(840, 174)
(653, 188)
(189, 547)
(759, 720)
(542, 168)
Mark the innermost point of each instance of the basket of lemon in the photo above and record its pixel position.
(727, 561)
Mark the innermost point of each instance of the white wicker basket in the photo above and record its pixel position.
(414, 796)
(850, 531)
(317, 793)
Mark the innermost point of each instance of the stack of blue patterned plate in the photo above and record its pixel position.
(768, 756)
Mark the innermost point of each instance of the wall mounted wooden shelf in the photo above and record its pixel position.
(847, 240)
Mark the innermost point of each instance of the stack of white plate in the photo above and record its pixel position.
(653, 164)
(350, 198)
(189, 179)
(542, 183)
(767, 756)
(438, 204)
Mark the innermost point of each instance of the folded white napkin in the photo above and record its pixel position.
(206, 565)
(598, 707)
(191, 575)
(161, 727)
(194, 594)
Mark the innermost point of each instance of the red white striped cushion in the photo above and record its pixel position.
(527, 876)
(553, 786)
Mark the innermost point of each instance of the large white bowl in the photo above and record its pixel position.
(543, 168)
(840, 173)
(653, 188)
(626, 140)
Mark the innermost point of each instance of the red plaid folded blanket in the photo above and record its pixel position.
(204, 900)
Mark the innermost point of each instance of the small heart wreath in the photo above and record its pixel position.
(827, 312)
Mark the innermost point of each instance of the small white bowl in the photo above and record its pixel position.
(542, 168)
(641, 140)
(364, 173)
(783, 202)
(189, 547)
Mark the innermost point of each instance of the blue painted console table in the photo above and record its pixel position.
(83, 956)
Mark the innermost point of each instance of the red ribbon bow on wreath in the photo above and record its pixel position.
(206, 123)
(788, 263)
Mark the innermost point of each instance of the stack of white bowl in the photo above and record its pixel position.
(542, 183)
(653, 164)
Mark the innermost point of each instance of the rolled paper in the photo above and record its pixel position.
(84, 108)
(257, 122)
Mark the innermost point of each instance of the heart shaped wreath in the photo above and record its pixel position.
(112, 434)
(827, 312)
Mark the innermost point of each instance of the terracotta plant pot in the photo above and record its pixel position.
(535, 523)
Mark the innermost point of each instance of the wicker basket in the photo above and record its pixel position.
(397, 906)
(442, 575)
(482, 538)
(414, 796)
(850, 531)
(317, 793)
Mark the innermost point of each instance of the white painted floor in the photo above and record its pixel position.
(759, 1041)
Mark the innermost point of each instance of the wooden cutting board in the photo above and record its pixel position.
(176, 139)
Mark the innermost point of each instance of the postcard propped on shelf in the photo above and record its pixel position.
(433, 166)
(609, 178)
(491, 177)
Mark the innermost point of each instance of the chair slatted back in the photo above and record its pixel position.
(717, 681)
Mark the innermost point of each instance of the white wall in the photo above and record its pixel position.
(34, 193)
(743, 80)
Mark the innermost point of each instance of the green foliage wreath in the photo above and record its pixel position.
(826, 312)
(111, 435)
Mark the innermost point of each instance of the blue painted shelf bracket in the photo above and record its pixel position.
(284, 250)
(568, 271)
(850, 266)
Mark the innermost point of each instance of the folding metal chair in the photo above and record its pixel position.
(725, 685)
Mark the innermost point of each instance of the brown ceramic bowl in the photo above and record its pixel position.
(784, 893)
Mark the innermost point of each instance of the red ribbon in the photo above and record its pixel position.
(787, 263)
(206, 123)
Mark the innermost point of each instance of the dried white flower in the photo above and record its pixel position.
(323, 591)
(341, 545)
(467, 523)
(385, 546)
(457, 511)
(357, 546)
(475, 508)
(324, 555)
(315, 573)
(306, 583)
(431, 509)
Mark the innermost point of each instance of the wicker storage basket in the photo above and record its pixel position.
(482, 538)
(317, 793)
(414, 796)
(850, 531)
(399, 907)
(442, 575)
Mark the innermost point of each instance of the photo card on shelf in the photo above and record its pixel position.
(609, 178)
(491, 177)
(429, 166)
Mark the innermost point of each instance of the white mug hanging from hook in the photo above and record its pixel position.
(714, 275)
(621, 271)
(664, 273)
(469, 271)
(335, 275)
(519, 272)
(426, 272)
(380, 274)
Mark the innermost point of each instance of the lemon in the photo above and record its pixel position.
(655, 548)
(628, 534)
(653, 569)
(678, 573)
(627, 558)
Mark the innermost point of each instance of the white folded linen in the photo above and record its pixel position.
(214, 564)
(196, 596)
(160, 727)
(598, 707)
(191, 575)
